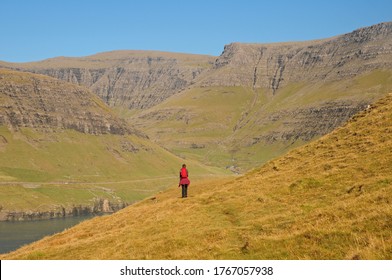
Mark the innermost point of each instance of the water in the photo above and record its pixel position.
(13, 235)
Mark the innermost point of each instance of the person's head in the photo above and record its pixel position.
(184, 165)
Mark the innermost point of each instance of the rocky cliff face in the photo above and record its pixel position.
(44, 103)
(275, 65)
(134, 79)
(305, 124)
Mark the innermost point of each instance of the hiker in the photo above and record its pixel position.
(184, 181)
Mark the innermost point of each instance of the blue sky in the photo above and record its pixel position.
(33, 30)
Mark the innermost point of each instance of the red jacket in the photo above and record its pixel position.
(184, 180)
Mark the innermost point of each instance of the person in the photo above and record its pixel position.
(184, 181)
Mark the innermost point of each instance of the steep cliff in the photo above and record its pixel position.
(133, 79)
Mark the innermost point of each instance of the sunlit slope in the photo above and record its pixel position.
(241, 127)
(330, 199)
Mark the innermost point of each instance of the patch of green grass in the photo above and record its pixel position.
(27, 174)
(36, 256)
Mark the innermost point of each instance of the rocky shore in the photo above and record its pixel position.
(102, 206)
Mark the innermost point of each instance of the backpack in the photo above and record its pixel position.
(184, 173)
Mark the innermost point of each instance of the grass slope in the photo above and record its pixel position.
(330, 199)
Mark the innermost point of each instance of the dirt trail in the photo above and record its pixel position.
(13, 183)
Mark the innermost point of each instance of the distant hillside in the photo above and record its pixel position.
(261, 100)
(330, 199)
(131, 79)
(64, 152)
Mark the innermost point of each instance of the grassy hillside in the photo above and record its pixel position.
(330, 199)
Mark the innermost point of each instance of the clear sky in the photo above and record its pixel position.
(33, 30)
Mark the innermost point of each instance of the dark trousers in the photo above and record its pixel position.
(184, 190)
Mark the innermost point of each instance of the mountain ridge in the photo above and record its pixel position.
(264, 65)
(133, 79)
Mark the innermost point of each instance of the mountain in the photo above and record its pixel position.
(64, 152)
(131, 79)
(260, 100)
(330, 199)
(252, 103)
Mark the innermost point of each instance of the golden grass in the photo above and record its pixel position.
(330, 199)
